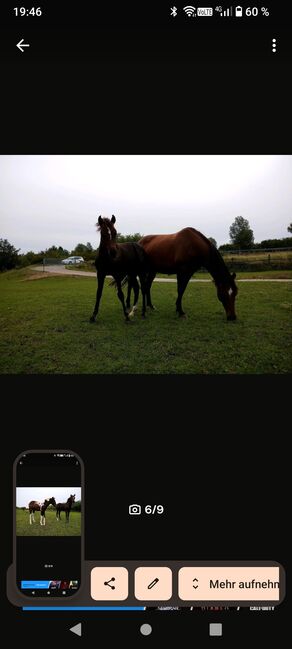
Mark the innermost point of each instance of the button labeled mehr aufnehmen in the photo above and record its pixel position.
(229, 583)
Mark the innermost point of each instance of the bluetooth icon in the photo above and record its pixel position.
(173, 11)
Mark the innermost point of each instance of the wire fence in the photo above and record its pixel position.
(255, 251)
(259, 259)
(51, 261)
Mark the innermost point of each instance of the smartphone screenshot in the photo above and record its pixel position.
(145, 305)
(49, 547)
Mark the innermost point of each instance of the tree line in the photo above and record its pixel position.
(240, 233)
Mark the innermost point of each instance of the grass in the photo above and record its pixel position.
(52, 526)
(44, 328)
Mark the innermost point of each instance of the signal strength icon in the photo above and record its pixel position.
(226, 12)
(190, 11)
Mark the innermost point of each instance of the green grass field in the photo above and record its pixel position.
(52, 526)
(44, 328)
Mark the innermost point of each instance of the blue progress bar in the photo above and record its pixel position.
(35, 584)
(83, 608)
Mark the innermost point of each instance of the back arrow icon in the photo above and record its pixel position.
(21, 44)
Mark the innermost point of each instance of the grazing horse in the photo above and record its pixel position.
(183, 253)
(65, 507)
(119, 260)
(35, 506)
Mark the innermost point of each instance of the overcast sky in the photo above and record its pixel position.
(61, 494)
(56, 200)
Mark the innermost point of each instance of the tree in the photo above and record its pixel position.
(8, 255)
(241, 234)
(289, 227)
(56, 252)
(123, 238)
(84, 250)
(213, 241)
(31, 258)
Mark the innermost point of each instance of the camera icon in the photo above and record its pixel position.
(134, 510)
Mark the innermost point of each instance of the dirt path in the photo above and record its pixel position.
(61, 270)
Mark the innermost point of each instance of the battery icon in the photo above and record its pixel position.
(238, 12)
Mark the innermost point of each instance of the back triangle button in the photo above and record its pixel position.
(76, 629)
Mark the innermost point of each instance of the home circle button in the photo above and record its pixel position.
(146, 629)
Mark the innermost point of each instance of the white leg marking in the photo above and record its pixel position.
(132, 312)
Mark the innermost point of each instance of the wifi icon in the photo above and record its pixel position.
(190, 11)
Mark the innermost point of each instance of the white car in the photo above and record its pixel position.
(73, 260)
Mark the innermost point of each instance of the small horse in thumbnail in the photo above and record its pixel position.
(35, 506)
(65, 507)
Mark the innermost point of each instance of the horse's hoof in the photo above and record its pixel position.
(143, 316)
(92, 319)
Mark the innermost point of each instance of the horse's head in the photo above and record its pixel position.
(226, 294)
(108, 234)
(52, 502)
(72, 498)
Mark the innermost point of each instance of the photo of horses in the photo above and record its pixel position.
(48, 511)
(136, 264)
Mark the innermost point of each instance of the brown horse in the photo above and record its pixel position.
(65, 507)
(35, 506)
(183, 253)
(119, 260)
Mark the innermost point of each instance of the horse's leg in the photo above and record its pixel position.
(142, 278)
(135, 286)
(182, 282)
(30, 517)
(121, 297)
(100, 283)
(128, 300)
(149, 282)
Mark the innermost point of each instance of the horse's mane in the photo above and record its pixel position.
(217, 258)
(106, 221)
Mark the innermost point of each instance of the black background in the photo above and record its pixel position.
(211, 449)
